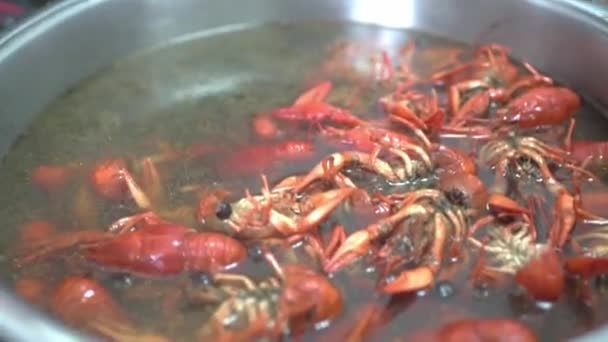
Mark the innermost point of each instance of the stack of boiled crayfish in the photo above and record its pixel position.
(416, 204)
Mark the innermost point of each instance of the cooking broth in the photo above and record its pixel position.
(204, 90)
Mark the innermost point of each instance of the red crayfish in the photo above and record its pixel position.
(147, 245)
(297, 298)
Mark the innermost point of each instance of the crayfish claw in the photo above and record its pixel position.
(543, 276)
(353, 247)
(502, 204)
(399, 110)
(410, 280)
(317, 93)
(324, 203)
(564, 218)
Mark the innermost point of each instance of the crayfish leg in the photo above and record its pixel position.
(131, 223)
(338, 236)
(240, 280)
(586, 267)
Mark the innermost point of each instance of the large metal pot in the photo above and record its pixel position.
(55, 49)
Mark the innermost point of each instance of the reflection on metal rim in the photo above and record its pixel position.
(598, 10)
(43, 19)
(20, 322)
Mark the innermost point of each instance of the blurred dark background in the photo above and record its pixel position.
(11, 11)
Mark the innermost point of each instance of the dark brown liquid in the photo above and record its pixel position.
(205, 90)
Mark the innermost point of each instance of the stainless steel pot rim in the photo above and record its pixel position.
(39, 21)
(52, 15)
(594, 14)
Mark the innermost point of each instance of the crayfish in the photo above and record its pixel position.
(297, 297)
(144, 244)
(276, 212)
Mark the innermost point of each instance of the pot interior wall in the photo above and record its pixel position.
(53, 51)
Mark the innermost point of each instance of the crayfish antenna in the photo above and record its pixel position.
(151, 182)
(583, 171)
(568, 138)
(139, 196)
(272, 260)
(47, 247)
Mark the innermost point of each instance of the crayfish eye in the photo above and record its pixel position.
(456, 197)
(524, 160)
(202, 278)
(223, 210)
(256, 253)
